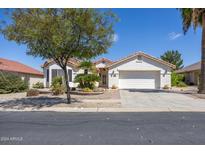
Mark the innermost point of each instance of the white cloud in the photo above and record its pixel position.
(115, 37)
(174, 35)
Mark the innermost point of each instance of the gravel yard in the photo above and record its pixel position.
(110, 98)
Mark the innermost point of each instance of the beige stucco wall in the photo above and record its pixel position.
(34, 79)
(144, 65)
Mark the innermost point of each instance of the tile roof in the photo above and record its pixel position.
(14, 66)
(105, 60)
(141, 54)
(73, 61)
(192, 67)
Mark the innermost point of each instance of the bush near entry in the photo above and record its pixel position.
(177, 80)
(87, 90)
(87, 80)
(57, 86)
(38, 85)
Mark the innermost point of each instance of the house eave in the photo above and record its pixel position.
(130, 57)
(186, 71)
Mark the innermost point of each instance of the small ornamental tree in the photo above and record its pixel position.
(61, 34)
(89, 77)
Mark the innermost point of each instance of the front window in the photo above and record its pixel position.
(86, 71)
(70, 75)
(59, 72)
(47, 75)
(54, 73)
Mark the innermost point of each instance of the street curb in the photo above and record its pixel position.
(63, 109)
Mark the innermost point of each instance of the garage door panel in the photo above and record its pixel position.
(138, 79)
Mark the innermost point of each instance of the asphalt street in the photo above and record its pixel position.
(102, 128)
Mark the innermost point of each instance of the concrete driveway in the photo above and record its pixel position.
(155, 100)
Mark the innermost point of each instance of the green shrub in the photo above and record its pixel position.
(32, 92)
(181, 84)
(57, 86)
(11, 83)
(57, 80)
(38, 85)
(166, 87)
(87, 90)
(176, 79)
(86, 80)
(58, 89)
(88, 66)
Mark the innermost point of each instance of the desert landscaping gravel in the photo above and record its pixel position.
(110, 98)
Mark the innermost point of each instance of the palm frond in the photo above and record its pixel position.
(186, 15)
(191, 16)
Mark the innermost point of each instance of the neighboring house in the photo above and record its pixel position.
(27, 73)
(137, 71)
(191, 73)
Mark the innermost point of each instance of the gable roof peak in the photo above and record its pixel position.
(142, 54)
(73, 61)
(103, 59)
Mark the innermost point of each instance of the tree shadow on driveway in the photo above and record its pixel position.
(34, 102)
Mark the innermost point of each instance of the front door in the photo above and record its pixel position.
(103, 79)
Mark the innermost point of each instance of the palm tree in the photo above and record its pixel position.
(173, 57)
(196, 17)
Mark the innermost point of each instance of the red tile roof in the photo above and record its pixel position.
(73, 61)
(14, 66)
(105, 60)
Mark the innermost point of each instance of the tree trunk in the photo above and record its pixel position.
(202, 76)
(67, 85)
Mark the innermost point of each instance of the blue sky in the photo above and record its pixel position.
(153, 31)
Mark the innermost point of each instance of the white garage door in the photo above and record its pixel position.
(139, 79)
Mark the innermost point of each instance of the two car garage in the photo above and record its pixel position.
(140, 71)
(139, 79)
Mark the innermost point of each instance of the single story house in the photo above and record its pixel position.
(191, 73)
(27, 73)
(137, 71)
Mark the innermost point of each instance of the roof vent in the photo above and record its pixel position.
(139, 59)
